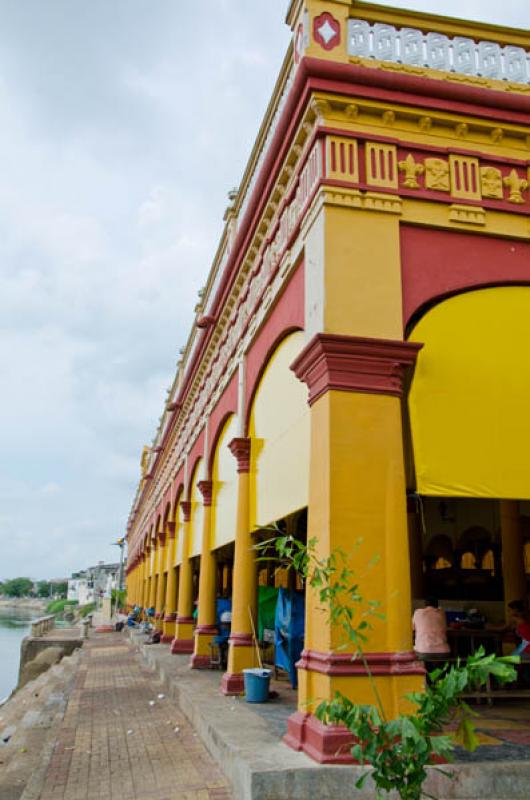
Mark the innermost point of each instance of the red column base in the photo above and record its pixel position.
(166, 639)
(182, 646)
(105, 629)
(326, 744)
(232, 683)
(200, 662)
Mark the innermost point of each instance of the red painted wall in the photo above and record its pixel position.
(436, 264)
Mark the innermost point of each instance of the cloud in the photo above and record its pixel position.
(122, 126)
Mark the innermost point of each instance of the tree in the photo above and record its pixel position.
(43, 589)
(18, 587)
(60, 588)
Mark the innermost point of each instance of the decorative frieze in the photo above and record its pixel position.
(462, 177)
(491, 183)
(435, 50)
(469, 215)
(437, 174)
(381, 165)
(411, 170)
(465, 177)
(342, 160)
(516, 186)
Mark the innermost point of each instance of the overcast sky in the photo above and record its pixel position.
(123, 124)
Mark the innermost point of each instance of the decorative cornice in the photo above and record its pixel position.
(354, 364)
(205, 321)
(186, 510)
(240, 449)
(174, 406)
(206, 488)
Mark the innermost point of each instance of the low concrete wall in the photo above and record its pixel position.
(33, 659)
(42, 626)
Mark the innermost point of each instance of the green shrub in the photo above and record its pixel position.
(85, 610)
(58, 606)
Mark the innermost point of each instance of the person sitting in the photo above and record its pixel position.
(430, 630)
(520, 622)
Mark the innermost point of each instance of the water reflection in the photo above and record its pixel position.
(14, 625)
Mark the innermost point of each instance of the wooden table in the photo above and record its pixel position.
(465, 641)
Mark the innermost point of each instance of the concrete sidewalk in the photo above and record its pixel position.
(246, 740)
(122, 738)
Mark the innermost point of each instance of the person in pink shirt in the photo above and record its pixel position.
(430, 630)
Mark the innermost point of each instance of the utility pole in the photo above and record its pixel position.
(121, 544)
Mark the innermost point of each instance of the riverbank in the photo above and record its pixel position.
(102, 726)
(23, 603)
(15, 624)
(28, 721)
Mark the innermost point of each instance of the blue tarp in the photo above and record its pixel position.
(222, 604)
(289, 631)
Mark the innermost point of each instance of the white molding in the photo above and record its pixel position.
(437, 51)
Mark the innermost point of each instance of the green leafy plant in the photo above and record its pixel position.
(398, 750)
(59, 606)
(89, 608)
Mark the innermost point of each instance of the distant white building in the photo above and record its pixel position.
(92, 583)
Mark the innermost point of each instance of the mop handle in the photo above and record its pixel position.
(255, 638)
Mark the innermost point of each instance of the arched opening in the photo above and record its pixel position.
(470, 433)
(279, 428)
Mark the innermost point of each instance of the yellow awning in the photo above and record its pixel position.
(470, 397)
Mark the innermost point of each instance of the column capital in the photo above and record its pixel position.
(354, 364)
(240, 448)
(171, 530)
(206, 489)
(186, 510)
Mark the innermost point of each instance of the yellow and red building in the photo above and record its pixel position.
(360, 363)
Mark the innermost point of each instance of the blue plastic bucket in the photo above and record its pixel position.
(257, 684)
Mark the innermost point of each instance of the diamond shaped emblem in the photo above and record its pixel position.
(326, 31)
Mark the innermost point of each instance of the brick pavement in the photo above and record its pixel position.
(120, 741)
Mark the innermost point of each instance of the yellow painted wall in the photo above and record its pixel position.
(280, 429)
(469, 400)
(224, 476)
(179, 529)
(197, 512)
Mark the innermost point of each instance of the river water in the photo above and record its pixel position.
(14, 625)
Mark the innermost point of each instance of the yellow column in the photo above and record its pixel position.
(143, 581)
(161, 586)
(206, 628)
(136, 579)
(241, 653)
(170, 615)
(183, 641)
(152, 574)
(513, 566)
(131, 583)
(356, 491)
(415, 549)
